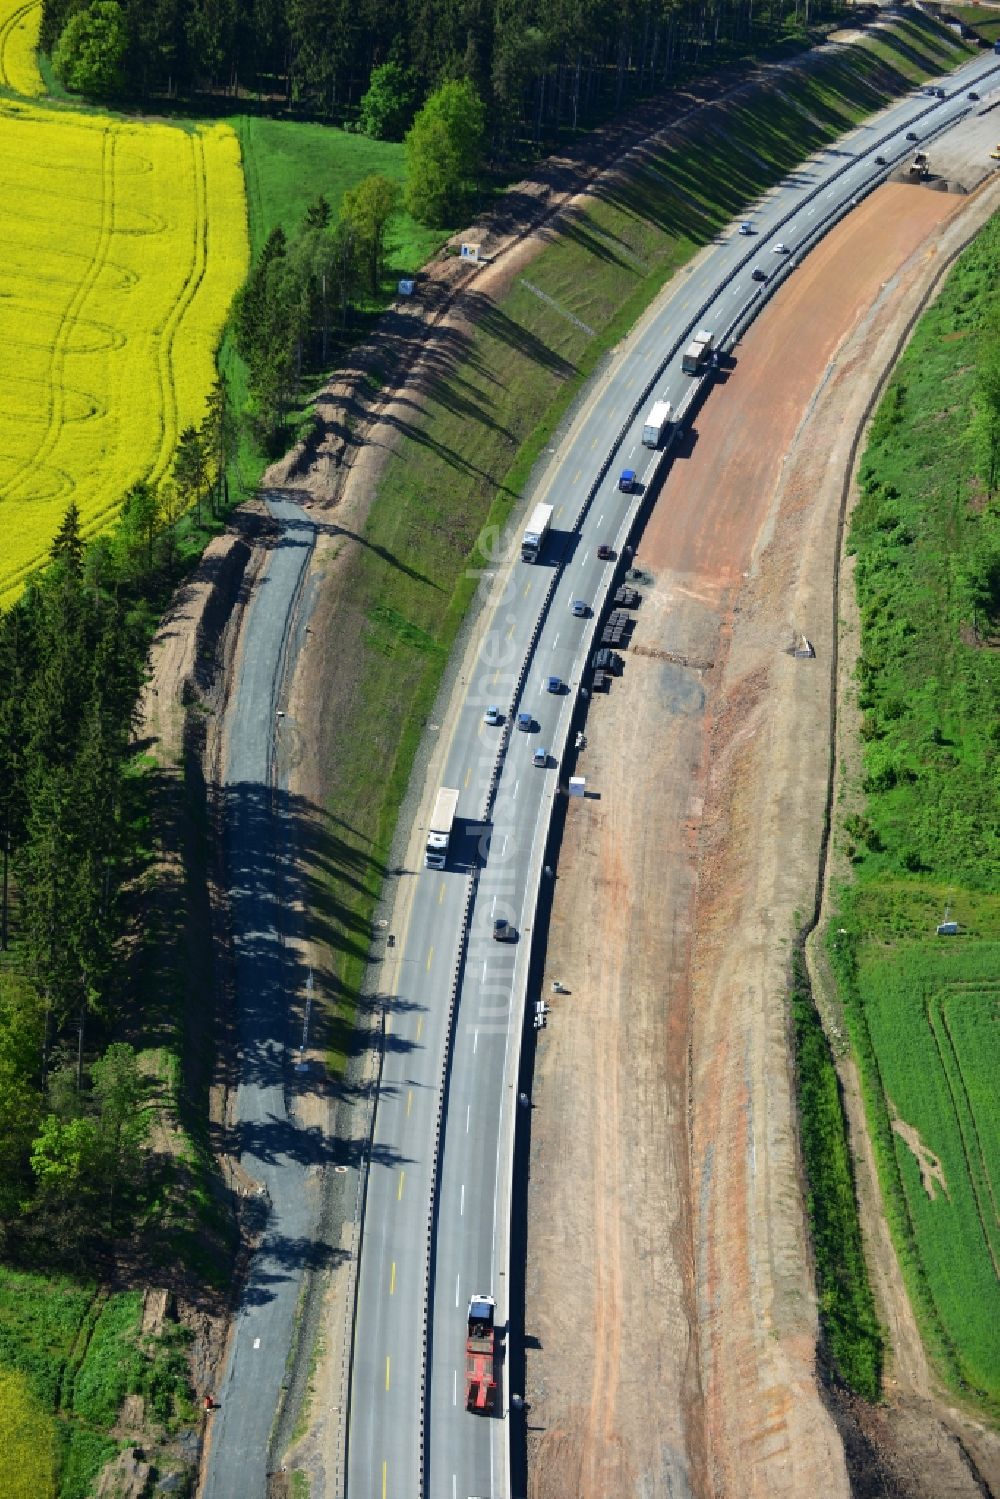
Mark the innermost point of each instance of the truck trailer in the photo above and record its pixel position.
(697, 352)
(480, 1357)
(656, 424)
(535, 533)
(439, 831)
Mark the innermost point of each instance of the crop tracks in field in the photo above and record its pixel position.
(18, 29)
(940, 1008)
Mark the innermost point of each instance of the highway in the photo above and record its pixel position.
(409, 1434)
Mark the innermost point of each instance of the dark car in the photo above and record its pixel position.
(911, 135)
(525, 722)
(503, 931)
(880, 161)
(626, 482)
(759, 275)
(973, 96)
(605, 552)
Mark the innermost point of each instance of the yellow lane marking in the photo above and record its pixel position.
(420, 1025)
(468, 778)
(576, 476)
(430, 955)
(496, 676)
(399, 1189)
(392, 1280)
(383, 1478)
(441, 893)
(409, 1101)
(387, 1371)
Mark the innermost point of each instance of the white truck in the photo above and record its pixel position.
(439, 831)
(535, 533)
(697, 352)
(656, 424)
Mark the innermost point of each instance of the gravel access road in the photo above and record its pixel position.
(273, 1151)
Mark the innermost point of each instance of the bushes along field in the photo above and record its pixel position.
(120, 261)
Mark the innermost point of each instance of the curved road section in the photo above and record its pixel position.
(274, 1154)
(454, 1024)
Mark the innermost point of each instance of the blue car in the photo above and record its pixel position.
(627, 481)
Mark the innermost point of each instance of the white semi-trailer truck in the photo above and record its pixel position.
(656, 424)
(535, 533)
(697, 353)
(439, 831)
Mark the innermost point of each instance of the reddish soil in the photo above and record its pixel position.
(668, 1252)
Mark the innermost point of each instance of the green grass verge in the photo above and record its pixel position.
(288, 165)
(922, 1010)
(849, 1324)
(985, 23)
(498, 396)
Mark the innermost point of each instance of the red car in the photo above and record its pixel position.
(605, 552)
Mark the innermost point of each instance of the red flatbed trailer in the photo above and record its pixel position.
(480, 1356)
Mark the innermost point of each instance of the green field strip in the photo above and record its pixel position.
(922, 1086)
(964, 1119)
(966, 1018)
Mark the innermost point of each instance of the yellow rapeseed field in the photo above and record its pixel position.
(27, 1440)
(19, 22)
(121, 245)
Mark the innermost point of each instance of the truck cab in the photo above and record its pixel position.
(480, 1352)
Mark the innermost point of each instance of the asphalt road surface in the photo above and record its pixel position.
(274, 1152)
(405, 1442)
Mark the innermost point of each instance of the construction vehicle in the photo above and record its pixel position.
(655, 426)
(535, 533)
(439, 831)
(480, 1356)
(920, 166)
(697, 352)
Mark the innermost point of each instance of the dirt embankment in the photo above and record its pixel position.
(665, 1195)
(178, 726)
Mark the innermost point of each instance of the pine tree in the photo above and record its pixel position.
(67, 547)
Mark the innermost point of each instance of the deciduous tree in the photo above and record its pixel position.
(388, 103)
(370, 208)
(443, 153)
(89, 54)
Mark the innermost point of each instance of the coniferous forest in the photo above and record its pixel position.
(538, 67)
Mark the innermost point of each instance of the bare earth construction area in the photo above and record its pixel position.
(670, 1313)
